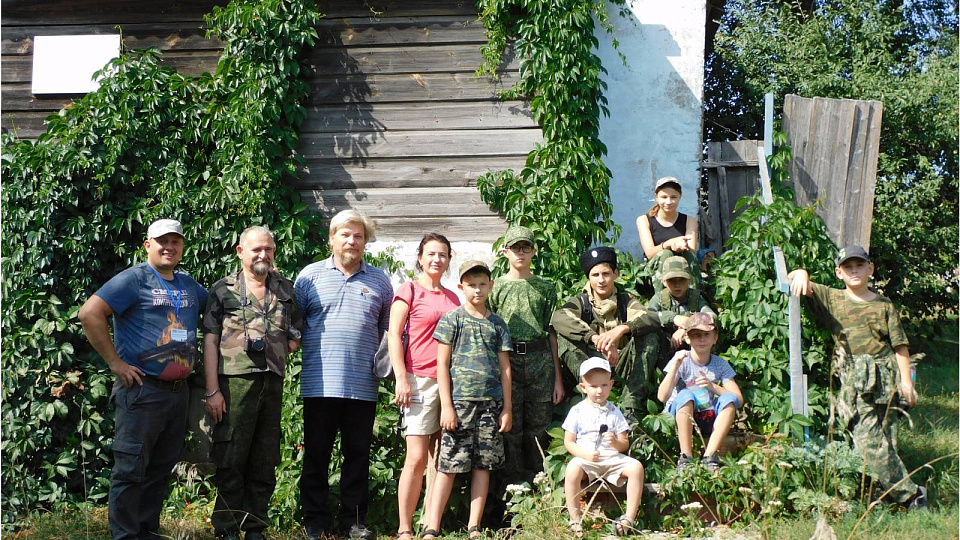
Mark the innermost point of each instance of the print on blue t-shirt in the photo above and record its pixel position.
(145, 322)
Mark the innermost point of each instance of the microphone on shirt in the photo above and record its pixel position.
(603, 429)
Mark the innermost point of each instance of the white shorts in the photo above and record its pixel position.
(423, 415)
(610, 468)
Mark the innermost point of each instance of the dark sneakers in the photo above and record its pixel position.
(683, 462)
(919, 500)
(359, 530)
(710, 463)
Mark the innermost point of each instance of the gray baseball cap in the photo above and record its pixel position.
(161, 227)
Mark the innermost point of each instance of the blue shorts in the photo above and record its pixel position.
(706, 418)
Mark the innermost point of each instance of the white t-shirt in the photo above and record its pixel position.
(585, 419)
(717, 370)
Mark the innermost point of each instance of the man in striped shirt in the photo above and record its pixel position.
(346, 308)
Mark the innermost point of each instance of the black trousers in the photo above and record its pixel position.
(323, 419)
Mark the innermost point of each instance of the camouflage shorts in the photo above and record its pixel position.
(477, 442)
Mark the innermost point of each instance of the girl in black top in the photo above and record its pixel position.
(665, 232)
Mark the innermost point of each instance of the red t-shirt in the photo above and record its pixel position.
(426, 308)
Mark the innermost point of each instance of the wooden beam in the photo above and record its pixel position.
(356, 148)
(365, 31)
(455, 171)
(411, 87)
(417, 116)
(166, 36)
(442, 58)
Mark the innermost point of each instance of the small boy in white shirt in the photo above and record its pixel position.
(595, 434)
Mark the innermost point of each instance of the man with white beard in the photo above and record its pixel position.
(252, 322)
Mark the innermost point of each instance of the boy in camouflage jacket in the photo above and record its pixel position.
(873, 364)
(673, 304)
(526, 302)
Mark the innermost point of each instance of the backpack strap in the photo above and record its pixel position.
(586, 310)
(695, 300)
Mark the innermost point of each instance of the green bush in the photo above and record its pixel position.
(214, 152)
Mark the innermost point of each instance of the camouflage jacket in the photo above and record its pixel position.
(525, 304)
(667, 307)
(569, 323)
(858, 327)
(227, 311)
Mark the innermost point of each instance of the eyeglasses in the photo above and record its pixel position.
(521, 248)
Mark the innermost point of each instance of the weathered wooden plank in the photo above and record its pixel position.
(166, 36)
(17, 69)
(445, 58)
(364, 32)
(404, 202)
(383, 9)
(459, 229)
(796, 121)
(457, 171)
(17, 97)
(42, 12)
(26, 125)
(869, 170)
(417, 116)
(359, 147)
(375, 88)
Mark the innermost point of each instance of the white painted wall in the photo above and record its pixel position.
(655, 103)
(654, 127)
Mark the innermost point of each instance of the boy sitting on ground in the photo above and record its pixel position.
(595, 434)
(700, 387)
(473, 376)
(673, 305)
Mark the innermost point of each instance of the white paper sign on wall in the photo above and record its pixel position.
(66, 64)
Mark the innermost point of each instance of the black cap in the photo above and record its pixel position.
(597, 255)
(852, 252)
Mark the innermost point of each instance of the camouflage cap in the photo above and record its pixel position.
(517, 234)
(675, 267)
(852, 252)
(470, 265)
(699, 321)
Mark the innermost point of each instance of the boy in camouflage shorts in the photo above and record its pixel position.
(873, 364)
(526, 302)
(473, 375)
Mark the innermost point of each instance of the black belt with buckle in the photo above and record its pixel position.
(172, 386)
(527, 347)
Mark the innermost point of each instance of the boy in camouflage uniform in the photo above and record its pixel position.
(673, 304)
(526, 302)
(252, 322)
(473, 375)
(873, 364)
(606, 322)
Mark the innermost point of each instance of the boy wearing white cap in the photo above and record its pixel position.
(595, 434)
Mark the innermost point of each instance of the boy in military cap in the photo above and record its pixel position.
(873, 364)
(605, 321)
(673, 304)
(526, 302)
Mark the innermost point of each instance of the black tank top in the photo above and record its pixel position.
(661, 234)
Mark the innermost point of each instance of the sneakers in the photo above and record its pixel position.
(710, 463)
(919, 500)
(683, 462)
(359, 530)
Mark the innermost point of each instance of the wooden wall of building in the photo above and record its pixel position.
(397, 126)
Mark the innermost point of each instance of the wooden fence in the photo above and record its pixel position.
(732, 173)
(835, 145)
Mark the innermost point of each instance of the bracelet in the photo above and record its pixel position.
(211, 394)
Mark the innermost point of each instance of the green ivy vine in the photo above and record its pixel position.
(563, 192)
(215, 152)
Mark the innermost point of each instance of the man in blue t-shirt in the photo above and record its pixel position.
(155, 313)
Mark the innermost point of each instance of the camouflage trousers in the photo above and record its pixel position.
(246, 451)
(633, 372)
(869, 409)
(532, 410)
(477, 442)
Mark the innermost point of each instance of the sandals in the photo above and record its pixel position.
(430, 534)
(401, 534)
(624, 526)
(576, 527)
(475, 532)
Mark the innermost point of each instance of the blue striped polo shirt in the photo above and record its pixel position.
(344, 318)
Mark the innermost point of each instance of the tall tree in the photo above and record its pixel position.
(903, 53)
